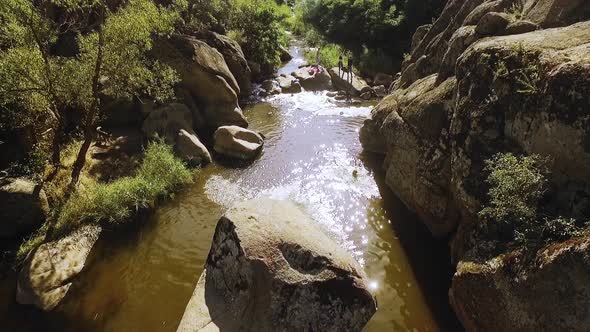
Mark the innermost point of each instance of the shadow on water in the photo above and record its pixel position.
(429, 257)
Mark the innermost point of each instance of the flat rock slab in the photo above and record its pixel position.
(272, 268)
(342, 81)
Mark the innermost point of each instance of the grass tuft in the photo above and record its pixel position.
(112, 204)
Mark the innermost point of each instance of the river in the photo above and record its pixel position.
(141, 279)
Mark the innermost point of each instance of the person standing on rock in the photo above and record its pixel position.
(340, 66)
(318, 57)
(349, 78)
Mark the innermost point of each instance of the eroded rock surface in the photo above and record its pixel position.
(234, 57)
(46, 276)
(501, 85)
(491, 296)
(271, 268)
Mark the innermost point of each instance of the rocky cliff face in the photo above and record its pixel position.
(489, 77)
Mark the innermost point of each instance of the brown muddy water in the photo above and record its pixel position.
(141, 279)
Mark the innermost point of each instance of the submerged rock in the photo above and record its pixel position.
(271, 268)
(47, 274)
(313, 82)
(23, 207)
(237, 142)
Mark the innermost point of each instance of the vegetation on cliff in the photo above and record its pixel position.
(377, 32)
(514, 216)
(258, 25)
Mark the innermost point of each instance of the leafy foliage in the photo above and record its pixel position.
(111, 204)
(516, 186)
(512, 216)
(328, 55)
(259, 24)
(379, 26)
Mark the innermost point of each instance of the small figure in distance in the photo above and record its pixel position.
(102, 137)
(340, 66)
(350, 59)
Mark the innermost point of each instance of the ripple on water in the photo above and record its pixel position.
(331, 187)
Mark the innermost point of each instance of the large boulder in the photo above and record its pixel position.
(237, 142)
(234, 57)
(289, 84)
(271, 268)
(537, 106)
(553, 294)
(313, 82)
(23, 207)
(493, 23)
(487, 7)
(343, 82)
(414, 127)
(524, 93)
(165, 122)
(47, 274)
(205, 74)
(284, 54)
(189, 148)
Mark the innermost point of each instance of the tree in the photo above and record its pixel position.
(31, 78)
(113, 62)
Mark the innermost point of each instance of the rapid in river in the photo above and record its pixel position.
(142, 280)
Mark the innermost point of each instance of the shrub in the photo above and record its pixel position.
(328, 55)
(259, 24)
(512, 215)
(516, 186)
(112, 204)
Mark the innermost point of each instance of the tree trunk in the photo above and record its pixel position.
(81, 158)
(56, 143)
(90, 121)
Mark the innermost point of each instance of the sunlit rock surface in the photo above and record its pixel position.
(46, 276)
(461, 99)
(237, 142)
(271, 268)
(313, 82)
(342, 80)
(206, 76)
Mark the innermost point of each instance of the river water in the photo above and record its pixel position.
(141, 280)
